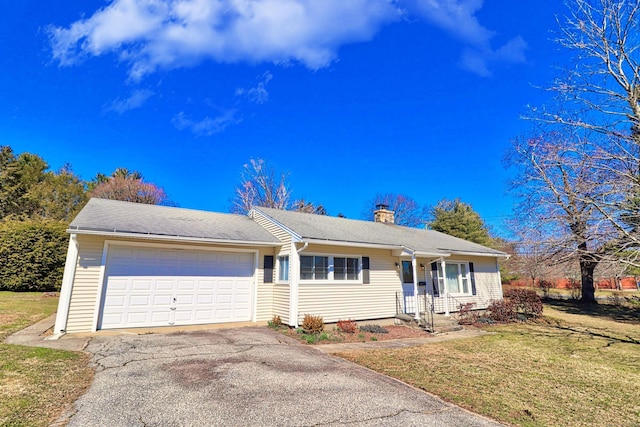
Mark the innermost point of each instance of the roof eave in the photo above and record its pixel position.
(170, 238)
(327, 242)
(482, 254)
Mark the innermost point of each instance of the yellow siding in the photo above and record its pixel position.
(85, 284)
(264, 300)
(281, 302)
(278, 232)
(335, 301)
(85, 287)
(488, 286)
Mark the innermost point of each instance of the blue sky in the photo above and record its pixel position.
(351, 98)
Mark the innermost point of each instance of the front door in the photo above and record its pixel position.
(406, 274)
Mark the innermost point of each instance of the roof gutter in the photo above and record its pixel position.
(168, 238)
(351, 244)
(483, 254)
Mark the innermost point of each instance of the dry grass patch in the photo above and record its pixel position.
(544, 374)
(36, 384)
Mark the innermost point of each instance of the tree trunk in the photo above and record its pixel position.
(587, 267)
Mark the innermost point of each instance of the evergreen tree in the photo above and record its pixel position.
(458, 219)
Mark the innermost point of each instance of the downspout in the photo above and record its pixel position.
(443, 266)
(68, 275)
(416, 295)
(499, 278)
(294, 286)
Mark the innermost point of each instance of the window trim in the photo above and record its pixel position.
(442, 279)
(279, 269)
(331, 269)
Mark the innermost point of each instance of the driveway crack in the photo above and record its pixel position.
(382, 417)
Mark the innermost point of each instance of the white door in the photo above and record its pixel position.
(147, 286)
(406, 273)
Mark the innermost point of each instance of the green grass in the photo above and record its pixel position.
(572, 369)
(36, 384)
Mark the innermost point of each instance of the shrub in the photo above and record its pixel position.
(545, 285)
(32, 255)
(615, 299)
(501, 311)
(312, 324)
(275, 322)
(347, 326)
(575, 288)
(374, 329)
(465, 315)
(525, 301)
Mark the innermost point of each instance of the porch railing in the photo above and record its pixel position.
(406, 304)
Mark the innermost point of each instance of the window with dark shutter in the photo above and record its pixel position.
(473, 279)
(365, 270)
(268, 269)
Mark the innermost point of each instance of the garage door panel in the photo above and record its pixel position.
(159, 287)
(141, 285)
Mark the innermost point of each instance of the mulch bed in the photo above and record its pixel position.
(336, 336)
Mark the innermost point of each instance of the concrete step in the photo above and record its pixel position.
(441, 323)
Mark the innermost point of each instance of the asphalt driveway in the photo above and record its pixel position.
(245, 376)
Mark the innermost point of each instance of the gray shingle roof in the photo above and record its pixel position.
(322, 227)
(116, 217)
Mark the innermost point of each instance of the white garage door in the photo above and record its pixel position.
(161, 287)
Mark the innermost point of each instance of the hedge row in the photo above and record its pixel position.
(32, 255)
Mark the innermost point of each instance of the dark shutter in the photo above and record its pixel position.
(434, 279)
(473, 279)
(365, 270)
(268, 269)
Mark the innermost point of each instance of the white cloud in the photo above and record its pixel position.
(152, 34)
(257, 94)
(478, 61)
(206, 126)
(458, 18)
(136, 100)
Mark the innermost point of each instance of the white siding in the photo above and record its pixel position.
(336, 301)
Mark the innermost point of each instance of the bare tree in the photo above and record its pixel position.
(127, 186)
(308, 207)
(261, 186)
(584, 194)
(555, 185)
(407, 211)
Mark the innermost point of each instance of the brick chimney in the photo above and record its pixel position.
(383, 214)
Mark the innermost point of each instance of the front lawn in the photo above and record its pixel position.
(36, 384)
(572, 369)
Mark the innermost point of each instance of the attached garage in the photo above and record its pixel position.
(165, 286)
(132, 265)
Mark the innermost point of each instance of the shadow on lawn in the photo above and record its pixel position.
(608, 311)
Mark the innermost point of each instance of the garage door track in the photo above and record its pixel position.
(245, 376)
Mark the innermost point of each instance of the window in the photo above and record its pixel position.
(338, 268)
(345, 268)
(407, 272)
(456, 278)
(283, 268)
(314, 268)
